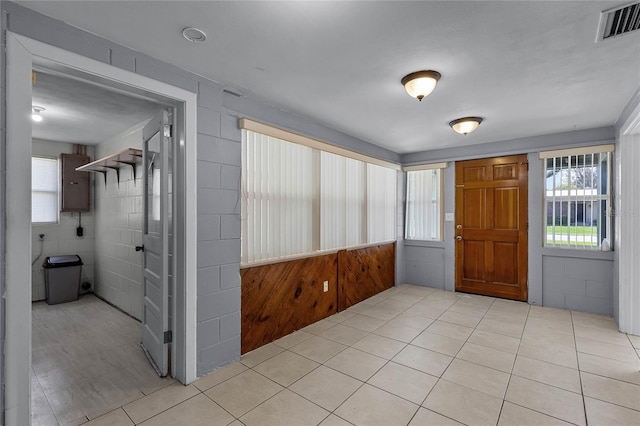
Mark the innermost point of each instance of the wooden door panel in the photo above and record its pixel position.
(474, 214)
(473, 268)
(491, 226)
(506, 263)
(505, 171)
(474, 174)
(505, 208)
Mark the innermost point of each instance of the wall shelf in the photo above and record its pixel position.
(126, 157)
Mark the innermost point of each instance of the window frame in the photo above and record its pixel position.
(568, 197)
(316, 221)
(439, 167)
(56, 192)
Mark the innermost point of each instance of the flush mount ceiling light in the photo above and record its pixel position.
(465, 125)
(35, 113)
(420, 83)
(194, 34)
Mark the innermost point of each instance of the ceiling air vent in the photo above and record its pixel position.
(619, 21)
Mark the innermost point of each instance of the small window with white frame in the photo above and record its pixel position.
(577, 197)
(424, 203)
(44, 190)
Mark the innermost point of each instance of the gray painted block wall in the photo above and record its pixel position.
(580, 284)
(3, 52)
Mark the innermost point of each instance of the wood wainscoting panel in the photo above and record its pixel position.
(365, 272)
(280, 298)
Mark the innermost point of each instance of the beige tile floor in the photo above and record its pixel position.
(86, 361)
(418, 356)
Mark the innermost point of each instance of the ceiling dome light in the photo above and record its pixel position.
(194, 34)
(35, 113)
(465, 125)
(420, 83)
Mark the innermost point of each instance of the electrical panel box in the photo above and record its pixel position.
(76, 186)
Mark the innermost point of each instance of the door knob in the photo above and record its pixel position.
(458, 226)
(459, 238)
(139, 248)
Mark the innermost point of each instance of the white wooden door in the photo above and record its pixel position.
(156, 335)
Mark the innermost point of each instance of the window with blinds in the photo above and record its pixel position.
(44, 190)
(299, 200)
(424, 205)
(577, 186)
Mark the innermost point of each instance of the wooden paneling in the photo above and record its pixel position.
(365, 272)
(281, 298)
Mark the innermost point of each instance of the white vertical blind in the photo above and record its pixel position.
(278, 198)
(298, 200)
(381, 204)
(44, 190)
(423, 205)
(342, 196)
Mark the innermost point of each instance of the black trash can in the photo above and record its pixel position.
(62, 278)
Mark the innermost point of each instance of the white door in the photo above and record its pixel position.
(156, 335)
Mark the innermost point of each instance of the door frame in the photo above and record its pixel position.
(526, 244)
(21, 54)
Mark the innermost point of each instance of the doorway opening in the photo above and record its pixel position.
(492, 226)
(86, 351)
(23, 55)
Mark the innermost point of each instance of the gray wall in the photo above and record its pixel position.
(557, 277)
(3, 169)
(577, 281)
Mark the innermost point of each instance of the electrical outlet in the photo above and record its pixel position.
(326, 286)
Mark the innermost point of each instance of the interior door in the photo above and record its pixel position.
(491, 226)
(155, 228)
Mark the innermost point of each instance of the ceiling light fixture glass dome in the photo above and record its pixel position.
(420, 83)
(465, 125)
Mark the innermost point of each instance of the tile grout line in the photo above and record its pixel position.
(575, 342)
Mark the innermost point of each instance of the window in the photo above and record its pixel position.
(299, 200)
(278, 186)
(424, 203)
(44, 190)
(577, 197)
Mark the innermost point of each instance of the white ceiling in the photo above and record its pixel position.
(528, 68)
(84, 113)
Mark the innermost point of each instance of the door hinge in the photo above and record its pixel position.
(168, 130)
(168, 336)
(527, 163)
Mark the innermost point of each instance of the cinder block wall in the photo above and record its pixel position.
(119, 209)
(578, 284)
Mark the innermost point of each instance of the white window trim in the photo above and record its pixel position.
(608, 197)
(265, 129)
(421, 167)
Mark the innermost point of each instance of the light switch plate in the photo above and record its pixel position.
(448, 217)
